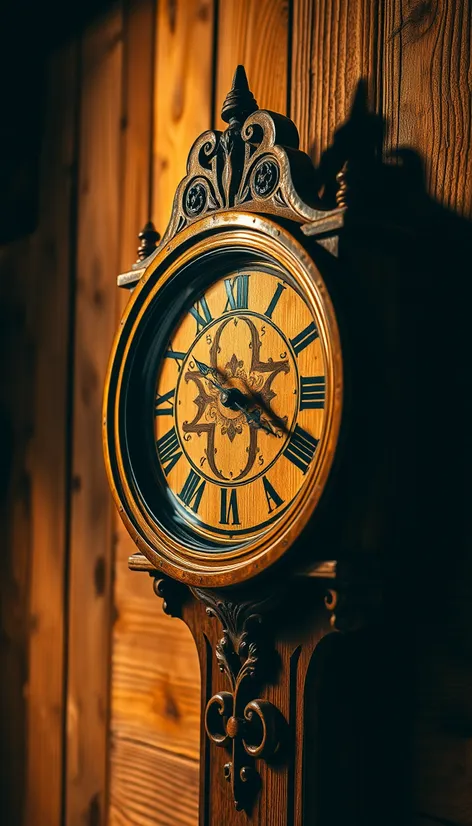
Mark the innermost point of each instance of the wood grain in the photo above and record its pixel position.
(155, 701)
(50, 397)
(91, 551)
(182, 95)
(136, 165)
(427, 64)
(156, 690)
(254, 33)
(153, 788)
(334, 45)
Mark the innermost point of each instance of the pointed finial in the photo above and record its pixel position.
(148, 238)
(240, 101)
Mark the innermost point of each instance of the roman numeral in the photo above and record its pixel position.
(304, 338)
(312, 392)
(166, 398)
(237, 291)
(229, 509)
(192, 492)
(201, 313)
(169, 451)
(301, 448)
(275, 300)
(175, 354)
(273, 499)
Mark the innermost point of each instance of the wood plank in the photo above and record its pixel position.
(91, 552)
(156, 690)
(427, 92)
(155, 686)
(183, 92)
(427, 64)
(138, 69)
(52, 271)
(334, 44)
(256, 34)
(152, 788)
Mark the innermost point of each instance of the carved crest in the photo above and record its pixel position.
(255, 165)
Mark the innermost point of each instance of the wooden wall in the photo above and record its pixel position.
(100, 713)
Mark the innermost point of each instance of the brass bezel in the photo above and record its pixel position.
(165, 552)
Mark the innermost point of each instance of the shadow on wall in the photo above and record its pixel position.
(394, 706)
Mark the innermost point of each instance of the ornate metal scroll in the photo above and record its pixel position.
(251, 727)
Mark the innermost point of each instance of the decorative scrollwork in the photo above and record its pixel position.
(254, 165)
(171, 592)
(253, 728)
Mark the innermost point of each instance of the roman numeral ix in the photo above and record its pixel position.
(167, 398)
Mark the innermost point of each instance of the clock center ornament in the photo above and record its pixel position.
(223, 412)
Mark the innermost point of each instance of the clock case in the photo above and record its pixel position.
(261, 697)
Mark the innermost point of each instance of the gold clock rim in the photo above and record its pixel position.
(228, 567)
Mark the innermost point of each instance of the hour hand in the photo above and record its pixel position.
(207, 371)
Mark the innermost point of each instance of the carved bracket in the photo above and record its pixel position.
(253, 728)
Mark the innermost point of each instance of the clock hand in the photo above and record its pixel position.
(257, 400)
(233, 398)
(206, 371)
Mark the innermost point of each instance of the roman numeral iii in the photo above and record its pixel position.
(237, 292)
(229, 508)
(304, 338)
(301, 448)
(312, 392)
(201, 313)
(168, 449)
(192, 492)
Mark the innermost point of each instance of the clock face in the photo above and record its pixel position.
(239, 404)
(223, 400)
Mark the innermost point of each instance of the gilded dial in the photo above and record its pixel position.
(239, 404)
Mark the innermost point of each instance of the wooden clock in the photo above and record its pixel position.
(224, 418)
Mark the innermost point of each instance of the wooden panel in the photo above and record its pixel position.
(427, 92)
(138, 68)
(254, 33)
(91, 509)
(51, 296)
(334, 44)
(428, 105)
(155, 788)
(155, 688)
(182, 102)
